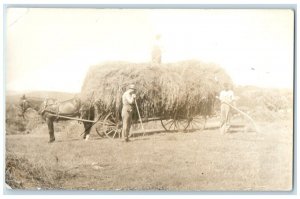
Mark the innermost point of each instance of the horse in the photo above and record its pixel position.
(51, 109)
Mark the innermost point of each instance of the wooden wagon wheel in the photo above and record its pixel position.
(197, 123)
(109, 127)
(175, 124)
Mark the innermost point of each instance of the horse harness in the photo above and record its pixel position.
(50, 107)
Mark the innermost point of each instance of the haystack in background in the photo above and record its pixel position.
(183, 89)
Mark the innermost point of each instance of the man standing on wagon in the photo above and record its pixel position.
(128, 100)
(156, 50)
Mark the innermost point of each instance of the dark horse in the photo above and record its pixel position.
(50, 109)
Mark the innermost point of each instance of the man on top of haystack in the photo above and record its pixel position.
(156, 50)
(128, 100)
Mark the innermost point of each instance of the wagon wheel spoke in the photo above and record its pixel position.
(198, 123)
(194, 125)
(110, 128)
(173, 123)
(176, 125)
(99, 129)
(182, 124)
(168, 125)
(108, 134)
(111, 131)
(168, 122)
(114, 134)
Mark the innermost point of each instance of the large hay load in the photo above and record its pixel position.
(175, 90)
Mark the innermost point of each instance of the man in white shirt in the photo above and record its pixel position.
(128, 100)
(226, 97)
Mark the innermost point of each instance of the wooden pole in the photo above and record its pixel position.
(71, 118)
(137, 108)
(243, 113)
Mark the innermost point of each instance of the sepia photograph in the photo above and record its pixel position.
(151, 100)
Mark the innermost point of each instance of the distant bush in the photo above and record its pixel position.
(271, 99)
(265, 104)
(16, 124)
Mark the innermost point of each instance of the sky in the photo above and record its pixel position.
(52, 49)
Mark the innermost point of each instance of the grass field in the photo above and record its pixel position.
(195, 161)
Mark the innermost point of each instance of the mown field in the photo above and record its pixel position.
(197, 160)
(193, 161)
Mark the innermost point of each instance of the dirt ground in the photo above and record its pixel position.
(194, 161)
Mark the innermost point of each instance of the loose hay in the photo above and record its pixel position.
(173, 90)
(20, 173)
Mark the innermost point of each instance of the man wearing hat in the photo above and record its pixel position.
(128, 100)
